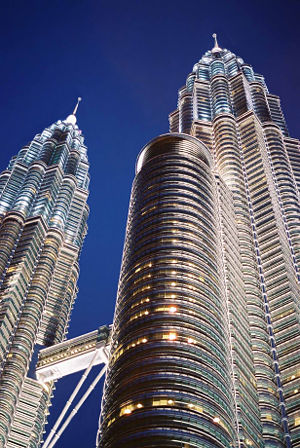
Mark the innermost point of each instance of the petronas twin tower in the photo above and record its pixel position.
(205, 343)
(43, 223)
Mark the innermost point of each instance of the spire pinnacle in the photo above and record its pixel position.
(72, 118)
(77, 104)
(216, 48)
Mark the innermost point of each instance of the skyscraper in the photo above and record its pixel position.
(206, 337)
(43, 214)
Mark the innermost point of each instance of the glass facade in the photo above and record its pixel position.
(170, 361)
(43, 214)
(206, 336)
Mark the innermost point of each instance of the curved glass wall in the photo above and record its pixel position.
(168, 382)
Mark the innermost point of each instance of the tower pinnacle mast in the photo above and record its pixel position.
(216, 48)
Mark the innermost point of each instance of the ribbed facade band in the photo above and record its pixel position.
(206, 335)
(43, 214)
(170, 342)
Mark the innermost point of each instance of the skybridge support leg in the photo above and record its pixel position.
(71, 399)
(77, 407)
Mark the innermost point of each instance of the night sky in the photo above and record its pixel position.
(127, 59)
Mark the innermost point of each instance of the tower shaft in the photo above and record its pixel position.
(169, 343)
(43, 215)
(206, 335)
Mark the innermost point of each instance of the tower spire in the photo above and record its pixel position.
(77, 104)
(216, 48)
(72, 118)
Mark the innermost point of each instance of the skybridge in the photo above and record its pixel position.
(71, 356)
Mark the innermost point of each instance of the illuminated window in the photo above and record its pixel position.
(126, 410)
(172, 336)
(158, 402)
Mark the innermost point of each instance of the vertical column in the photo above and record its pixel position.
(21, 347)
(277, 277)
(220, 95)
(186, 111)
(248, 329)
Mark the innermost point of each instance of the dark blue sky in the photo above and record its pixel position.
(127, 60)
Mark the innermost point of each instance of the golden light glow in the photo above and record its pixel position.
(297, 421)
(216, 420)
(172, 336)
(173, 309)
(170, 402)
(127, 411)
(139, 405)
(144, 340)
(191, 341)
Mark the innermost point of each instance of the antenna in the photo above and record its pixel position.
(216, 48)
(77, 104)
(72, 118)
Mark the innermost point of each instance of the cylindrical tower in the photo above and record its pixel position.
(169, 378)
